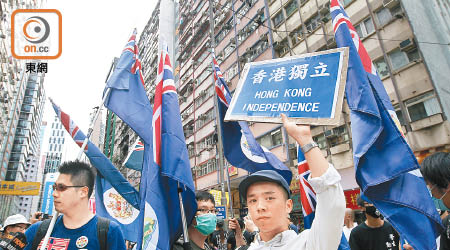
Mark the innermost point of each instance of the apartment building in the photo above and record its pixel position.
(303, 26)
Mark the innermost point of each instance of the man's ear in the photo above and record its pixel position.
(84, 192)
(289, 205)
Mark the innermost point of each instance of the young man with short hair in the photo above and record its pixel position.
(78, 227)
(268, 199)
(203, 224)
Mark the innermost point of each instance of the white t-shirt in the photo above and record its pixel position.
(347, 230)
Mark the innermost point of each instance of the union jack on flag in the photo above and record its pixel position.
(307, 194)
(219, 82)
(69, 125)
(133, 48)
(342, 18)
(165, 85)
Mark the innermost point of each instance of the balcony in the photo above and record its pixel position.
(427, 122)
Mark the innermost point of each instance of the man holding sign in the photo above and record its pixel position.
(268, 200)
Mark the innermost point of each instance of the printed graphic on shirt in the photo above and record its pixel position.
(391, 243)
(56, 244)
(82, 241)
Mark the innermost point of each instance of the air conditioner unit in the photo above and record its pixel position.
(407, 45)
(232, 41)
(324, 10)
(389, 4)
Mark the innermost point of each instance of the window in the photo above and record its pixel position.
(346, 2)
(384, 16)
(231, 72)
(204, 118)
(399, 58)
(382, 67)
(296, 35)
(271, 139)
(207, 167)
(312, 23)
(365, 28)
(423, 106)
(337, 135)
(281, 47)
(321, 141)
(278, 19)
(291, 7)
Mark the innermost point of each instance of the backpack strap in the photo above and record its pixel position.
(102, 232)
(40, 234)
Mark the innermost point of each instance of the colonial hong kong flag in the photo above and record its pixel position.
(170, 170)
(127, 97)
(115, 198)
(239, 145)
(308, 196)
(386, 168)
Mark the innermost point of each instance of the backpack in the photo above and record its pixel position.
(102, 232)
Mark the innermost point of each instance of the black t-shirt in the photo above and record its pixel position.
(229, 239)
(363, 237)
(445, 235)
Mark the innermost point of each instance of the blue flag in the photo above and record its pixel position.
(160, 226)
(135, 156)
(386, 168)
(114, 195)
(239, 145)
(127, 97)
(170, 154)
(308, 197)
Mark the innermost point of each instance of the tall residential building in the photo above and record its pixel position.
(241, 35)
(23, 163)
(17, 115)
(411, 57)
(98, 130)
(55, 149)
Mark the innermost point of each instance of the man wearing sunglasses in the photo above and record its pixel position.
(203, 224)
(78, 227)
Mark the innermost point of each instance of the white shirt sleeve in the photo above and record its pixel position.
(326, 229)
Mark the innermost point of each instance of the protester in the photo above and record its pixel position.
(203, 224)
(268, 200)
(13, 224)
(223, 239)
(374, 233)
(78, 227)
(436, 172)
(349, 222)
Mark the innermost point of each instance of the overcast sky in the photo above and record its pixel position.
(94, 32)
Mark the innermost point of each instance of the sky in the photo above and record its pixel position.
(94, 32)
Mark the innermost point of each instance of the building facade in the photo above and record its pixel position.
(56, 141)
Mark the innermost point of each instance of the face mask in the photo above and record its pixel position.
(439, 203)
(372, 211)
(206, 223)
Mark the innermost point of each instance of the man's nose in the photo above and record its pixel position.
(260, 205)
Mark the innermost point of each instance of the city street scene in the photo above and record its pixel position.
(225, 124)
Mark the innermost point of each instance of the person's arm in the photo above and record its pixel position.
(234, 225)
(325, 180)
(318, 165)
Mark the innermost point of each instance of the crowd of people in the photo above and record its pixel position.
(267, 225)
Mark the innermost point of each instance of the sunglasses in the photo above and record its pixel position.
(61, 187)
